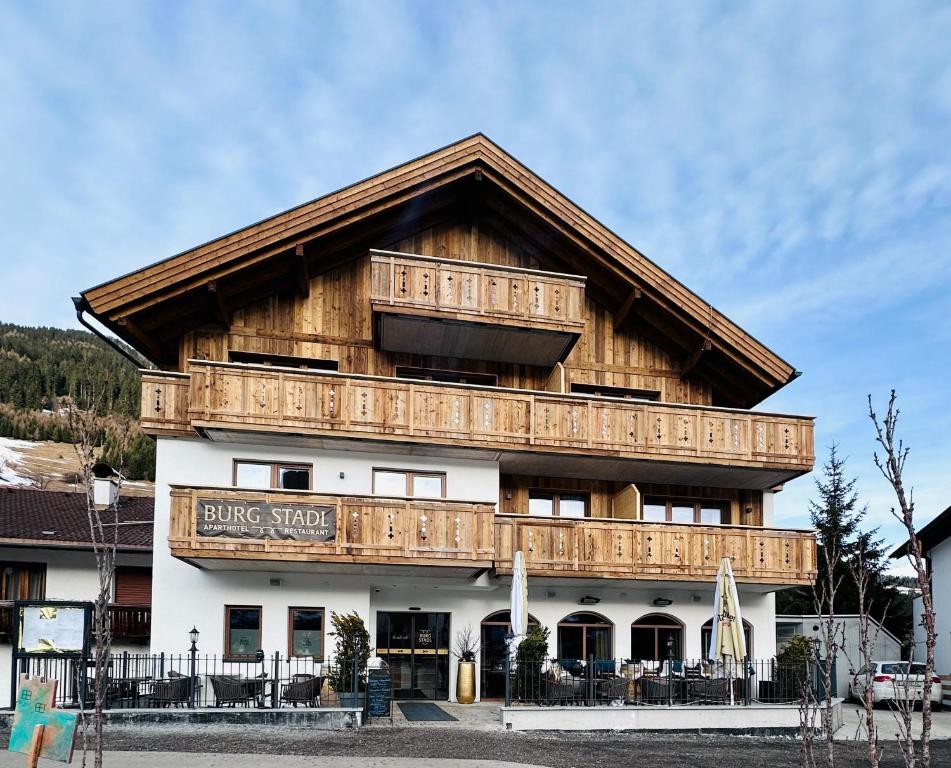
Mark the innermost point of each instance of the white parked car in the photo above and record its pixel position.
(894, 681)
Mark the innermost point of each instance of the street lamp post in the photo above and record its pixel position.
(670, 670)
(193, 662)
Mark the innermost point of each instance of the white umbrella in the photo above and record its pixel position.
(727, 641)
(518, 612)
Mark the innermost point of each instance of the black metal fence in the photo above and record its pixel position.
(191, 680)
(601, 682)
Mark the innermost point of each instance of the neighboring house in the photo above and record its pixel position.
(371, 402)
(45, 553)
(849, 657)
(935, 540)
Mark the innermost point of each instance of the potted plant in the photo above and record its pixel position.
(466, 649)
(351, 653)
(530, 657)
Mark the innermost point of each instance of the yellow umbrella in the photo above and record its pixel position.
(727, 641)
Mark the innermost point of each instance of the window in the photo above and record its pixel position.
(649, 635)
(242, 630)
(305, 632)
(453, 377)
(22, 581)
(287, 361)
(405, 482)
(600, 390)
(558, 504)
(706, 633)
(658, 510)
(263, 475)
(133, 586)
(581, 635)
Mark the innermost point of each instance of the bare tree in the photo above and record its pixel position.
(861, 668)
(892, 466)
(808, 713)
(830, 631)
(104, 534)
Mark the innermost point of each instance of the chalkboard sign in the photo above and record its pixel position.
(379, 693)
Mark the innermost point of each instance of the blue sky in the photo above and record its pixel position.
(789, 161)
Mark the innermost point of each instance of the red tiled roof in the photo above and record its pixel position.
(60, 518)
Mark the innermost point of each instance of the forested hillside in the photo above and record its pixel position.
(45, 370)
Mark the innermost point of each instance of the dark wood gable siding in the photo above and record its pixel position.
(334, 322)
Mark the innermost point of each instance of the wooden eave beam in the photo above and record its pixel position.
(301, 271)
(691, 362)
(625, 310)
(219, 306)
(139, 338)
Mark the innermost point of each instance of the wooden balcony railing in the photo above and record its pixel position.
(231, 396)
(362, 529)
(627, 549)
(485, 293)
(131, 623)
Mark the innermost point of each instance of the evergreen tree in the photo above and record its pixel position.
(837, 518)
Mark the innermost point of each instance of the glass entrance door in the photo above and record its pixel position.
(416, 646)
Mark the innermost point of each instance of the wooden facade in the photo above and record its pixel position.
(459, 306)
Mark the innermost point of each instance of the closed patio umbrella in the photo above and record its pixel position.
(518, 612)
(727, 641)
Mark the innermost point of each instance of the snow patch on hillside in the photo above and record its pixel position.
(11, 458)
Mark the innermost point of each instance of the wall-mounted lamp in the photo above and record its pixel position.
(589, 600)
(662, 602)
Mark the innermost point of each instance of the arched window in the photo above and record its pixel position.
(585, 634)
(649, 635)
(495, 627)
(706, 632)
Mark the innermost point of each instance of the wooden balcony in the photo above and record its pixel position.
(365, 530)
(628, 549)
(656, 442)
(453, 308)
(131, 623)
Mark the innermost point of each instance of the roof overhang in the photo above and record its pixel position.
(152, 307)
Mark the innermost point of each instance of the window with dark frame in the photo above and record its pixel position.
(265, 475)
(406, 482)
(284, 361)
(305, 632)
(559, 504)
(453, 377)
(242, 630)
(659, 510)
(22, 581)
(626, 393)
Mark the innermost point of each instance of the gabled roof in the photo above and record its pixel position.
(319, 231)
(30, 517)
(931, 535)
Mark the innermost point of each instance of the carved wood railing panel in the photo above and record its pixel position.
(638, 550)
(484, 291)
(369, 529)
(234, 396)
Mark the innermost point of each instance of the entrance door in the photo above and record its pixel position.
(416, 646)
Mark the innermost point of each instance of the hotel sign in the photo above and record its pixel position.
(237, 519)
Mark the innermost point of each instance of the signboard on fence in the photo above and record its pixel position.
(39, 729)
(52, 629)
(237, 519)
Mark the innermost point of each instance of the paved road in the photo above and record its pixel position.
(853, 727)
(197, 760)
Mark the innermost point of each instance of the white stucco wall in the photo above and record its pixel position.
(70, 575)
(941, 595)
(184, 595)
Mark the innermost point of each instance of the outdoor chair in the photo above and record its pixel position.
(612, 690)
(170, 693)
(558, 691)
(716, 691)
(231, 691)
(303, 689)
(694, 673)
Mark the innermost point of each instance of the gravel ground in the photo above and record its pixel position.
(558, 750)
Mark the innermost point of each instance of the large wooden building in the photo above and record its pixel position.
(373, 400)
